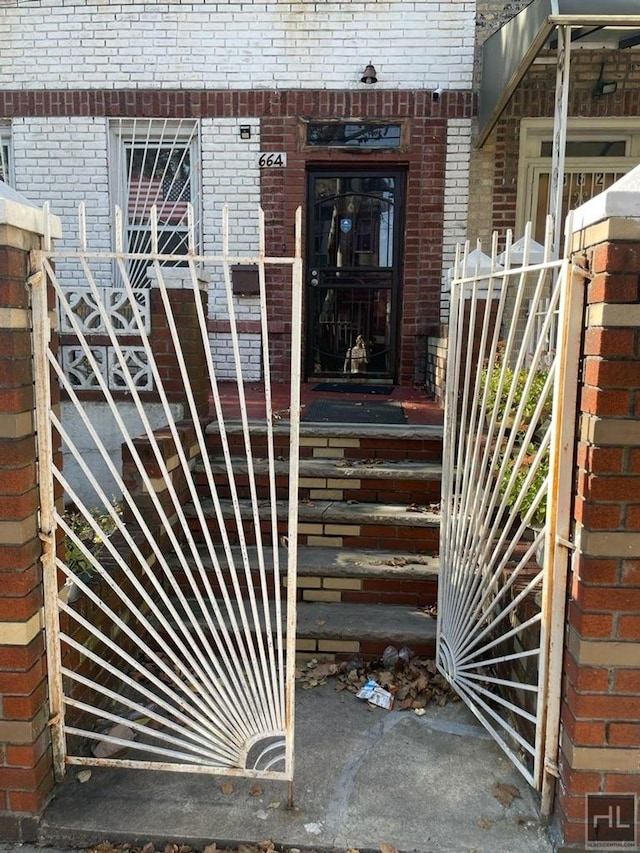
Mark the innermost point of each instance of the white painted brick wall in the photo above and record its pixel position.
(64, 161)
(251, 353)
(243, 44)
(230, 176)
(456, 199)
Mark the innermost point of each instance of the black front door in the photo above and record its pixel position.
(353, 273)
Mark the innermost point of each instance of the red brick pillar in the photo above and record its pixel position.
(183, 306)
(26, 767)
(600, 736)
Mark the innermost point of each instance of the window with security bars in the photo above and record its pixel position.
(156, 164)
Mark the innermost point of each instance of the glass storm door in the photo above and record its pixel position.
(353, 266)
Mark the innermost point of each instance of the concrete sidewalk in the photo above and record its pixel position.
(363, 777)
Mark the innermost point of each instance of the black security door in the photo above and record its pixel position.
(353, 273)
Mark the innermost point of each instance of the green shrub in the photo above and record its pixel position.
(540, 514)
(74, 557)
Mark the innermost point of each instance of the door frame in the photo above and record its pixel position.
(399, 173)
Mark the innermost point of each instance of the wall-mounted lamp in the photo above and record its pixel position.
(437, 92)
(245, 131)
(604, 87)
(369, 75)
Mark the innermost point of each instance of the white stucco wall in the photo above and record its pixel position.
(236, 44)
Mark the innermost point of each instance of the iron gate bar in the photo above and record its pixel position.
(244, 686)
(496, 610)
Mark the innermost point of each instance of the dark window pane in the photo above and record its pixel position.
(354, 222)
(588, 148)
(337, 135)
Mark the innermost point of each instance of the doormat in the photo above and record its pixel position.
(338, 412)
(349, 388)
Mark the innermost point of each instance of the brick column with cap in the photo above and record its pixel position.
(26, 766)
(600, 735)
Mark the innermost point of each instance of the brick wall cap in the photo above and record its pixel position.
(620, 201)
(18, 211)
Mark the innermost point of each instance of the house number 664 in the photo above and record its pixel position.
(270, 160)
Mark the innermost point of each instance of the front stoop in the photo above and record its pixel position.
(368, 529)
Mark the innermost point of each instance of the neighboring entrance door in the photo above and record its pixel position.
(353, 273)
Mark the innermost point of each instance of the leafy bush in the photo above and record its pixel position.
(497, 399)
(497, 402)
(540, 514)
(74, 557)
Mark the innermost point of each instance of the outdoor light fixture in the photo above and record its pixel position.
(369, 75)
(604, 87)
(245, 131)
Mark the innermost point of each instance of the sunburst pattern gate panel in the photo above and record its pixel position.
(509, 426)
(171, 644)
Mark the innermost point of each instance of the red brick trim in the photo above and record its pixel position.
(196, 103)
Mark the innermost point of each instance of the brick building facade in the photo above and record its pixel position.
(238, 80)
(246, 78)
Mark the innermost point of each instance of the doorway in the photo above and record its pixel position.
(353, 273)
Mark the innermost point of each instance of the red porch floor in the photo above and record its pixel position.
(418, 408)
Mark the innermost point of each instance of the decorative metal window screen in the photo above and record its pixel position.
(156, 173)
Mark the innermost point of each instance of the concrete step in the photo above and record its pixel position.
(376, 480)
(340, 631)
(336, 524)
(421, 443)
(335, 574)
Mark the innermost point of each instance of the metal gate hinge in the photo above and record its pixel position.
(45, 537)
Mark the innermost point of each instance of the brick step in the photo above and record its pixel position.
(340, 631)
(403, 481)
(336, 524)
(336, 574)
(420, 443)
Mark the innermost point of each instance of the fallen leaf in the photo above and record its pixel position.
(256, 791)
(387, 848)
(227, 788)
(210, 848)
(483, 823)
(83, 776)
(419, 712)
(274, 805)
(149, 848)
(505, 793)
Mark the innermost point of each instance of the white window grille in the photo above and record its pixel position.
(155, 163)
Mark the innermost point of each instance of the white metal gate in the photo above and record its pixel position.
(170, 644)
(509, 429)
